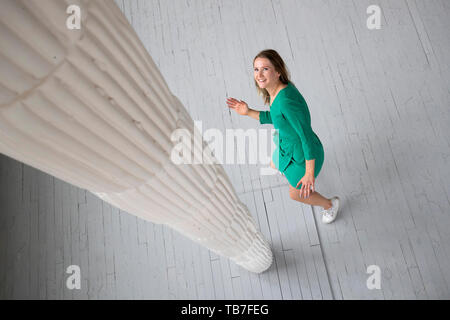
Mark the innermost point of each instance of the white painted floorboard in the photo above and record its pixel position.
(380, 103)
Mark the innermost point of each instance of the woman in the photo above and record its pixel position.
(299, 154)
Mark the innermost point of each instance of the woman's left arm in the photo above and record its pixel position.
(308, 179)
(298, 116)
(310, 166)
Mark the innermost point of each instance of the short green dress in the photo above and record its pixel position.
(294, 138)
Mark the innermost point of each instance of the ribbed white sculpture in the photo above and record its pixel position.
(90, 107)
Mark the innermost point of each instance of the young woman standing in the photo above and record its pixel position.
(299, 154)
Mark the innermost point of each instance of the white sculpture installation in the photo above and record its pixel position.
(90, 107)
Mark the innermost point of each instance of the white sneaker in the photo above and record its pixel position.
(329, 215)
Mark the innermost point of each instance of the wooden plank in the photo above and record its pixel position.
(4, 223)
(285, 214)
(207, 273)
(417, 282)
(169, 247)
(308, 217)
(28, 209)
(310, 268)
(66, 204)
(257, 288)
(283, 217)
(251, 286)
(108, 242)
(30, 187)
(240, 281)
(142, 256)
(172, 282)
(121, 292)
(238, 292)
(258, 210)
(83, 259)
(200, 273)
(191, 281)
(322, 273)
(9, 173)
(60, 271)
(97, 267)
(434, 282)
(250, 281)
(153, 264)
(42, 231)
(219, 291)
(74, 237)
(269, 277)
(137, 255)
(19, 241)
(280, 262)
(129, 247)
(372, 257)
(179, 245)
(292, 274)
(297, 228)
(226, 278)
(160, 263)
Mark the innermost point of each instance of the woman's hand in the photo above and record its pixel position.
(307, 185)
(238, 105)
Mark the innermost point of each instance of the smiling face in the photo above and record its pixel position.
(265, 74)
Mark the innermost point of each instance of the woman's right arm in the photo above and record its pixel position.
(242, 108)
(264, 117)
(253, 113)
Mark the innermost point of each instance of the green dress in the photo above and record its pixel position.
(294, 138)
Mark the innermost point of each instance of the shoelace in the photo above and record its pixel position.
(329, 212)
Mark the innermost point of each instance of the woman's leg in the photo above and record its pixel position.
(272, 164)
(314, 199)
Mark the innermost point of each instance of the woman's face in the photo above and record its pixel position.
(265, 74)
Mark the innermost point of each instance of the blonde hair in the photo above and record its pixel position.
(279, 66)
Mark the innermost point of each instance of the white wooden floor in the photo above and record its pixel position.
(380, 103)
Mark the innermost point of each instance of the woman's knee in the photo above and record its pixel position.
(294, 193)
(292, 196)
